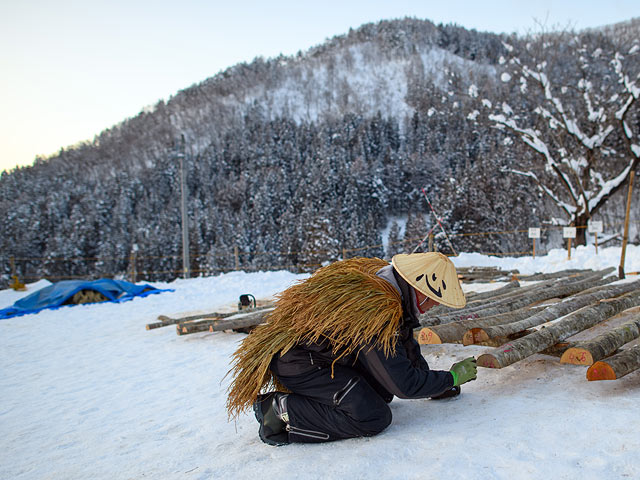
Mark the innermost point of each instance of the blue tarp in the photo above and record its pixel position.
(56, 294)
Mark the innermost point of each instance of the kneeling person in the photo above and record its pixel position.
(339, 346)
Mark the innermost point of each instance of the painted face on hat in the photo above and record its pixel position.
(437, 286)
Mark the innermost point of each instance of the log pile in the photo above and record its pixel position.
(516, 321)
(484, 274)
(239, 321)
(541, 318)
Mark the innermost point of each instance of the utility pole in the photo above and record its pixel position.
(183, 204)
(625, 236)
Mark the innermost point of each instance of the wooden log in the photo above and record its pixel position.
(584, 318)
(473, 305)
(553, 275)
(473, 274)
(590, 351)
(251, 320)
(193, 327)
(238, 320)
(471, 310)
(441, 314)
(509, 287)
(454, 332)
(573, 303)
(555, 289)
(167, 321)
(616, 366)
(556, 350)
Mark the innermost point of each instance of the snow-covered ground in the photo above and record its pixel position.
(86, 392)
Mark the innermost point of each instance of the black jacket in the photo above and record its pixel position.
(406, 374)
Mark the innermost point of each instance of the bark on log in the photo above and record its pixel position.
(556, 350)
(237, 320)
(166, 321)
(453, 332)
(555, 289)
(553, 275)
(442, 311)
(584, 318)
(472, 310)
(590, 351)
(441, 314)
(250, 320)
(471, 274)
(509, 287)
(571, 304)
(193, 327)
(616, 366)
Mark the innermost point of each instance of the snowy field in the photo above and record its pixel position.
(88, 393)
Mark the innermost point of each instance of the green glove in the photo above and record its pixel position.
(464, 371)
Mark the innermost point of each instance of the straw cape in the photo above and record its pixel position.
(344, 303)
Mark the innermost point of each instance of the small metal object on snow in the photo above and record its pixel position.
(246, 300)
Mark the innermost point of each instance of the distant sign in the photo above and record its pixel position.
(595, 226)
(534, 233)
(569, 232)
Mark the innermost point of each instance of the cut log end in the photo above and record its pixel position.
(428, 337)
(601, 371)
(488, 361)
(577, 356)
(473, 336)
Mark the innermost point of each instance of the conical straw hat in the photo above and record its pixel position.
(433, 274)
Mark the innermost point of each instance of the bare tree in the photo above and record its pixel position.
(578, 112)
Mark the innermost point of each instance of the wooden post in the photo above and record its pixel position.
(236, 257)
(569, 233)
(132, 262)
(186, 271)
(431, 242)
(534, 232)
(596, 234)
(344, 254)
(625, 237)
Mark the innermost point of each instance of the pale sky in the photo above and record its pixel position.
(70, 69)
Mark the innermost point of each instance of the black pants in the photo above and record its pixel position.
(323, 409)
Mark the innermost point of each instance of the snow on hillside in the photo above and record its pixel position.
(360, 79)
(87, 392)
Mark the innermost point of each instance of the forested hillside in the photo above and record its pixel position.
(298, 160)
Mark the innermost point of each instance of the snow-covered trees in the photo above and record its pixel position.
(303, 159)
(578, 110)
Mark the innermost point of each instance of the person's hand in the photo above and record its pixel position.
(464, 371)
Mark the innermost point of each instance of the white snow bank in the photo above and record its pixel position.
(87, 392)
(556, 260)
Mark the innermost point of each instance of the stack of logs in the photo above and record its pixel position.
(240, 321)
(521, 321)
(484, 274)
(518, 321)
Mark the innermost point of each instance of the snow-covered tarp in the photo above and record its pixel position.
(57, 294)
